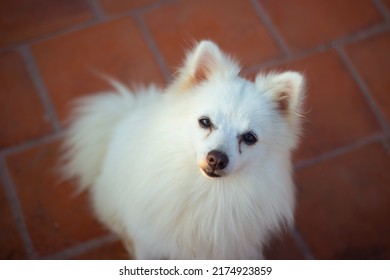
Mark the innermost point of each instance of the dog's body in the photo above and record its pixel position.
(201, 171)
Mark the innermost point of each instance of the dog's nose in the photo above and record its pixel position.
(217, 160)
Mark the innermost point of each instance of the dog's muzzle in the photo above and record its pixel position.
(216, 162)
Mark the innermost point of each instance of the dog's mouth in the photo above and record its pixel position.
(211, 173)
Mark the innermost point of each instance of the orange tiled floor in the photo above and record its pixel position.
(51, 50)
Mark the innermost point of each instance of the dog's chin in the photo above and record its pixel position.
(212, 174)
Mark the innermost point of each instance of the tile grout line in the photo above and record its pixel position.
(152, 47)
(272, 30)
(378, 137)
(36, 77)
(361, 35)
(97, 10)
(364, 90)
(16, 208)
(382, 9)
(82, 248)
(30, 144)
(302, 245)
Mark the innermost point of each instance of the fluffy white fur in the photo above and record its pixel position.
(140, 155)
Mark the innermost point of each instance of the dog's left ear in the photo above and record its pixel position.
(285, 89)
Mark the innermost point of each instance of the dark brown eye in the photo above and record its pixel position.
(204, 122)
(249, 138)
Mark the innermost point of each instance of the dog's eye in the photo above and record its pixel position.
(249, 138)
(204, 122)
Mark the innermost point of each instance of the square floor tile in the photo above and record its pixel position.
(70, 64)
(22, 116)
(56, 217)
(308, 23)
(234, 25)
(23, 20)
(372, 60)
(344, 205)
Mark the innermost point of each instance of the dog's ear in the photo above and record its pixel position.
(205, 60)
(285, 89)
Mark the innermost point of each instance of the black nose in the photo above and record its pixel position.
(217, 160)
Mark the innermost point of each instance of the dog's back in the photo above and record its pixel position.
(91, 127)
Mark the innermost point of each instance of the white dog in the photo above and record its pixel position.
(200, 170)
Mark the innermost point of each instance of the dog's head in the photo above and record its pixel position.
(234, 124)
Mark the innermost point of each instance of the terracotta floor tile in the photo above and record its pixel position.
(175, 26)
(56, 218)
(120, 6)
(372, 60)
(22, 116)
(344, 204)
(336, 111)
(307, 23)
(113, 251)
(387, 3)
(283, 248)
(11, 243)
(69, 63)
(24, 20)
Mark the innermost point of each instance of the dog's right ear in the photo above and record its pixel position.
(204, 61)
